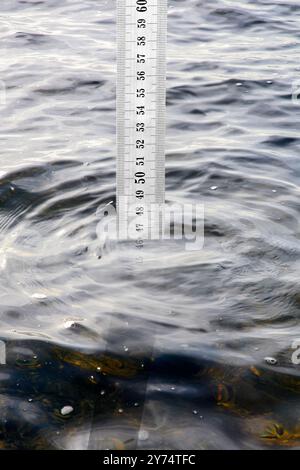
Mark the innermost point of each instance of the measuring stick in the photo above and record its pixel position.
(141, 109)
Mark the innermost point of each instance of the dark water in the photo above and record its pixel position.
(178, 351)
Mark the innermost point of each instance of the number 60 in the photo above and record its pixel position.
(141, 5)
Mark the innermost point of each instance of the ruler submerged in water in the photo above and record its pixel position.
(141, 111)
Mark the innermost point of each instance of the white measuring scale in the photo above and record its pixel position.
(141, 109)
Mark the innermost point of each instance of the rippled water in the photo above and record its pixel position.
(177, 350)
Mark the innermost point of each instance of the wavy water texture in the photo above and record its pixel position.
(176, 349)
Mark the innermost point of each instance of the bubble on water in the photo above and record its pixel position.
(271, 361)
(69, 324)
(39, 296)
(66, 410)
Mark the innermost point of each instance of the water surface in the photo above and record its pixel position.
(178, 350)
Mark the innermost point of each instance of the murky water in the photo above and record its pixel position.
(172, 357)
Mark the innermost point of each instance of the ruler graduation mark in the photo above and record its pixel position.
(141, 96)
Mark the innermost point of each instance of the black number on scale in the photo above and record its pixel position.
(140, 177)
(139, 227)
(141, 75)
(140, 144)
(140, 93)
(141, 41)
(139, 194)
(140, 58)
(140, 110)
(141, 23)
(140, 127)
(139, 210)
(139, 161)
(141, 5)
